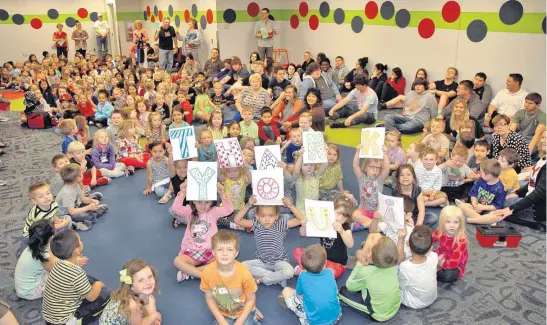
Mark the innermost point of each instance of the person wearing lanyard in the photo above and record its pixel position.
(166, 36)
(264, 32)
(140, 37)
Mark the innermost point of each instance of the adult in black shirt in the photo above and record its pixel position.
(166, 36)
(307, 61)
(445, 90)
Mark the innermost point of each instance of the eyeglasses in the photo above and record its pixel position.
(500, 125)
(375, 168)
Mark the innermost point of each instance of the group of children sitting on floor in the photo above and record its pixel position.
(397, 267)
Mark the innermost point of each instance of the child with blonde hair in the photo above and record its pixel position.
(216, 125)
(134, 300)
(129, 149)
(371, 177)
(307, 179)
(162, 108)
(91, 176)
(453, 245)
(395, 152)
(414, 152)
(201, 217)
(155, 129)
(430, 179)
(235, 181)
(437, 140)
(331, 184)
(83, 131)
(203, 106)
(104, 157)
(206, 149)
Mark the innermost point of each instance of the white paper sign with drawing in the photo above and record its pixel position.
(267, 157)
(202, 181)
(372, 141)
(268, 186)
(183, 141)
(392, 210)
(320, 217)
(314, 144)
(229, 153)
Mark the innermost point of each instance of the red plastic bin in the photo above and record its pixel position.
(498, 236)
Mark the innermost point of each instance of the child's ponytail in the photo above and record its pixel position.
(39, 234)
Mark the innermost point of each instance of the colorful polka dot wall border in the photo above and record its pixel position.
(509, 18)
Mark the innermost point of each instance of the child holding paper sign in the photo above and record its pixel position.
(307, 179)
(235, 181)
(371, 175)
(337, 248)
(272, 265)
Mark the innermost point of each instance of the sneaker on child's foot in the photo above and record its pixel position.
(458, 202)
(131, 170)
(83, 225)
(356, 226)
(182, 276)
(103, 208)
(91, 123)
(297, 270)
(96, 196)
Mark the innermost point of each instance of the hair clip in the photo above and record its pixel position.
(124, 278)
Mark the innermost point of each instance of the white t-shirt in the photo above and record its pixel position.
(394, 235)
(102, 26)
(418, 282)
(509, 103)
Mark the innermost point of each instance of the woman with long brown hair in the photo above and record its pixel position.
(191, 39)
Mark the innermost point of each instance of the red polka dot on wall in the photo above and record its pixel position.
(36, 23)
(371, 10)
(209, 16)
(426, 28)
(303, 9)
(148, 10)
(253, 9)
(152, 18)
(314, 22)
(82, 13)
(451, 11)
(160, 16)
(294, 21)
(186, 15)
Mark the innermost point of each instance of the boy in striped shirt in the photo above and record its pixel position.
(430, 179)
(44, 208)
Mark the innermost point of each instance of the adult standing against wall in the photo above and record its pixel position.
(140, 37)
(167, 36)
(101, 31)
(191, 39)
(80, 36)
(61, 41)
(264, 32)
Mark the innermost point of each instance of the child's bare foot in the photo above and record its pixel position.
(258, 280)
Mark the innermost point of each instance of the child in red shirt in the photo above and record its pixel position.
(86, 107)
(453, 244)
(267, 128)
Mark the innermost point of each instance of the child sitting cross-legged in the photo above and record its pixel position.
(248, 125)
(337, 248)
(508, 159)
(235, 181)
(377, 282)
(430, 179)
(206, 148)
(418, 274)
(331, 184)
(216, 125)
(481, 149)
(73, 202)
(487, 195)
(414, 153)
(71, 296)
(272, 265)
(307, 178)
(228, 285)
(437, 140)
(104, 157)
(129, 148)
(69, 128)
(134, 301)
(157, 170)
(456, 174)
(315, 299)
(267, 128)
(201, 218)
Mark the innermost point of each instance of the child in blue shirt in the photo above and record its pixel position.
(315, 300)
(488, 194)
(104, 110)
(293, 145)
(69, 129)
(206, 148)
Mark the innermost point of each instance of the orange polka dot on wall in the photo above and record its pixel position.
(152, 18)
(160, 16)
(148, 10)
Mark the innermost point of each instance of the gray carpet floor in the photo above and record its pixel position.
(501, 286)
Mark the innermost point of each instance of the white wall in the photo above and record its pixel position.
(24, 40)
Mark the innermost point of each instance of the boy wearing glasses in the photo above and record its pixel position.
(456, 174)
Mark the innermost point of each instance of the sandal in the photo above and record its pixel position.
(165, 198)
(175, 223)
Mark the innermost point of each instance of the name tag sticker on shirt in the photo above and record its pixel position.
(104, 159)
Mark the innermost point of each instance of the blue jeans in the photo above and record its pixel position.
(249, 321)
(166, 59)
(350, 109)
(431, 219)
(329, 103)
(102, 45)
(402, 124)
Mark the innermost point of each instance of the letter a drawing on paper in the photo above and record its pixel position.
(315, 152)
(320, 216)
(267, 157)
(392, 210)
(202, 181)
(229, 153)
(372, 141)
(183, 141)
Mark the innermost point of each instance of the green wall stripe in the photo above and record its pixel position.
(46, 20)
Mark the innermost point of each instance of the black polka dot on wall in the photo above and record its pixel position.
(339, 16)
(18, 19)
(203, 22)
(170, 10)
(324, 9)
(543, 25)
(194, 10)
(70, 22)
(4, 15)
(94, 17)
(229, 15)
(357, 24)
(177, 21)
(402, 18)
(511, 12)
(53, 14)
(145, 16)
(477, 30)
(387, 10)
(156, 11)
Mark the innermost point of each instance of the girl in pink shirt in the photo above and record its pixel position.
(201, 218)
